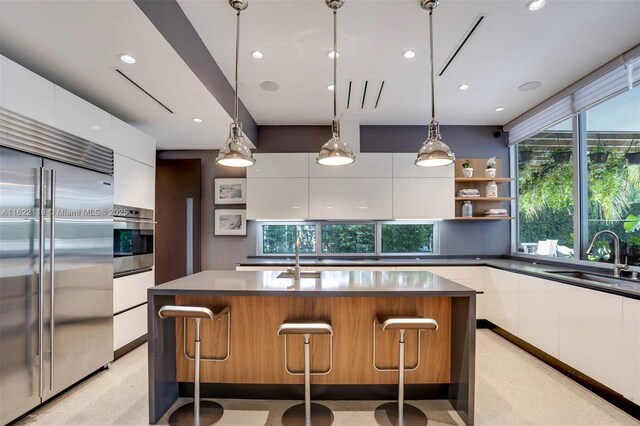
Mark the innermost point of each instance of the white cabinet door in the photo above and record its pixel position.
(134, 183)
(423, 198)
(538, 313)
(131, 290)
(350, 198)
(501, 299)
(591, 334)
(404, 167)
(281, 165)
(277, 198)
(366, 165)
(129, 325)
(26, 93)
(631, 338)
(132, 143)
(80, 118)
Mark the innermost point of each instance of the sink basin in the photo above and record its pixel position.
(303, 274)
(591, 277)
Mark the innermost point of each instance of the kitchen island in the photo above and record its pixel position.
(260, 301)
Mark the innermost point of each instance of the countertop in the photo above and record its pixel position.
(624, 287)
(330, 284)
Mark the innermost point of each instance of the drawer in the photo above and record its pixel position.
(129, 325)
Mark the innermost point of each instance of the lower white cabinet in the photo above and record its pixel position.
(538, 314)
(134, 183)
(423, 198)
(277, 198)
(591, 334)
(631, 338)
(129, 325)
(501, 299)
(131, 290)
(350, 198)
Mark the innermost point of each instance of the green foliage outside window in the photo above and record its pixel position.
(407, 238)
(348, 238)
(281, 239)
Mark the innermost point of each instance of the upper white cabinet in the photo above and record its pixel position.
(294, 165)
(501, 299)
(350, 199)
(26, 93)
(366, 166)
(404, 167)
(538, 314)
(135, 144)
(277, 198)
(420, 198)
(80, 118)
(591, 334)
(134, 183)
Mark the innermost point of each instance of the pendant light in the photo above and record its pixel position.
(335, 152)
(236, 152)
(433, 152)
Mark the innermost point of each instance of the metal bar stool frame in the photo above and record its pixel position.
(392, 413)
(203, 412)
(314, 414)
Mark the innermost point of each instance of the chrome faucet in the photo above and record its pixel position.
(617, 266)
(296, 269)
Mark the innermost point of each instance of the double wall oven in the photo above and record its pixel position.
(133, 230)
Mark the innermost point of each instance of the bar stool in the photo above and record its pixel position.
(399, 413)
(197, 412)
(307, 414)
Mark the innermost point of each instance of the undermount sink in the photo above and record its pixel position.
(303, 274)
(591, 277)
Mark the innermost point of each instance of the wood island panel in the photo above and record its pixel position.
(257, 353)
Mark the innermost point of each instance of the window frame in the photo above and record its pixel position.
(580, 187)
(378, 238)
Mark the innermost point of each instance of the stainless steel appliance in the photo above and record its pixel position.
(56, 266)
(133, 230)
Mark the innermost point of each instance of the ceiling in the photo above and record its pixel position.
(77, 45)
(555, 45)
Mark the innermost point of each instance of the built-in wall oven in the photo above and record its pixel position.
(133, 230)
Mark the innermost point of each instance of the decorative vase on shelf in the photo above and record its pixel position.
(492, 189)
(491, 167)
(467, 209)
(467, 172)
(491, 172)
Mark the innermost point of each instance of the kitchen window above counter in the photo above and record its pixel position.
(348, 238)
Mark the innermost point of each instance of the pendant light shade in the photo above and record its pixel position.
(335, 152)
(236, 152)
(434, 152)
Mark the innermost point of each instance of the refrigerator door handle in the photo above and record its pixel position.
(41, 215)
(52, 239)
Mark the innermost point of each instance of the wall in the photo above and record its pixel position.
(221, 252)
(457, 237)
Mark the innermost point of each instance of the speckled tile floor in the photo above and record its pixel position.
(513, 388)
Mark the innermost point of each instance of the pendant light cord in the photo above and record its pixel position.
(237, 60)
(433, 94)
(335, 62)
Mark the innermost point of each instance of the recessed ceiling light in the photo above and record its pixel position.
(531, 85)
(127, 59)
(269, 86)
(463, 86)
(499, 109)
(95, 127)
(197, 120)
(333, 54)
(331, 87)
(409, 54)
(257, 54)
(535, 4)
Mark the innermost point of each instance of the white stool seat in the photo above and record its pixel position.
(305, 328)
(407, 323)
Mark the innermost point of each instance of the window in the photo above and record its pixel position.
(613, 177)
(332, 238)
(545, 192)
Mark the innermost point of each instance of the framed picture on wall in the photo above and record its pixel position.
(231, 222)
(230, 191)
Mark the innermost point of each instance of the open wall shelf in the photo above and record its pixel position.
(479, 181)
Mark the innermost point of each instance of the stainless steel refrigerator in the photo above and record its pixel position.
(56, 277)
